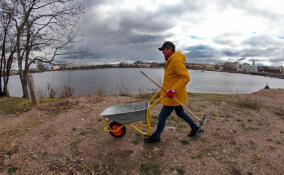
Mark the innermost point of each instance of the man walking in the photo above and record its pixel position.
(176, 78)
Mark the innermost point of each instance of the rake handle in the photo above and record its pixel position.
(172, 98)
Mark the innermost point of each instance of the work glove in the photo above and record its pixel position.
(171, 93)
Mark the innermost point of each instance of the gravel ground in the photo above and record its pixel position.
(243, 134)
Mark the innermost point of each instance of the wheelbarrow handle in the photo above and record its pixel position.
(173, 97)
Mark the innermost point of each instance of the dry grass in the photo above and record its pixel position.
(52, 92)
(247, 103)
(67, 92)
(143, 97)
(15, 105)
(59, 106)
(100, 92)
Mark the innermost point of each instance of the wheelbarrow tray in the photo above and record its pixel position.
(127, 113)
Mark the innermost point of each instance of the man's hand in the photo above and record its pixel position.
(171, 93)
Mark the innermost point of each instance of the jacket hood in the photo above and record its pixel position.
(178, 55)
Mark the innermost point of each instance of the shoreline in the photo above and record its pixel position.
(143, 94)
(265, 74)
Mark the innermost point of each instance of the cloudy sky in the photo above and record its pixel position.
(206, 31)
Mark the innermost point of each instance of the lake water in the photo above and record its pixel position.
(130, 80)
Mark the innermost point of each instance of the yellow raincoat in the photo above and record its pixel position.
(176, 77)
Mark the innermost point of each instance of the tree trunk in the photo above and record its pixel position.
(2, 67)
(24, 82)
(6, 80)
(8, 70)
(6, 92)
(32, 89)
(5, 68)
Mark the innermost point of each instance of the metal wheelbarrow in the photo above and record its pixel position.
(117, 117)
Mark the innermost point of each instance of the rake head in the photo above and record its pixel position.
(201, 123)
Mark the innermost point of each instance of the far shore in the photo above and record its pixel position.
(266, 74)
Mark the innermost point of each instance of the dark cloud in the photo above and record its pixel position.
(201, 51)
(182, 8)
(249, 7)
(258, 52)
(242, 59)
(143, 21)
(276, 60)
(226, 39)
(261, 41)
(136, 39)
(136, 34)
(124, 33)
(131, 33)
(230, 53)
(93, 3)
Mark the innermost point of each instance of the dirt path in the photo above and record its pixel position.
(244, 134)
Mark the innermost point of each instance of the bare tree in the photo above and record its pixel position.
(8, 49)
(45, 29)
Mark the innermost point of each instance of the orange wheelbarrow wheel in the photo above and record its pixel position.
(118, 134)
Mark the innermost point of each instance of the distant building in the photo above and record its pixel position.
(138, 62)
(282, 70)
(231, 66)
(249, 68)
(209, 67)
(55, 67)
(269, 69)
(115, 65)
(195, 66)
(219, 66)
(154, 64)
(142, 64)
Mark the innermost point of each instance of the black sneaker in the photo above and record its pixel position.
(193, 132)
(151, 139)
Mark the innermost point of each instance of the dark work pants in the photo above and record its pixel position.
(165, 112)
